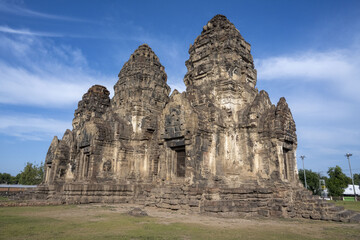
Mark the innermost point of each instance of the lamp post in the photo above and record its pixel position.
(302, 157)
(348, 155)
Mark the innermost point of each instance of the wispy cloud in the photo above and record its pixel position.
(338, 68)
(7, 29)
(37, 72)
(16, 9)
(35, 128)
(19, 86)
(309, 65)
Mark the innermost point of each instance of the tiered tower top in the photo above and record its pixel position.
(220, 53)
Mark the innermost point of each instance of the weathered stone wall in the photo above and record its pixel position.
(220, 147)
(250, 200)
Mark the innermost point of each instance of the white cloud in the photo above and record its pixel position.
(36, 128)
(34, 71)
(22, 11)
(310, 65)
(20, 86)
(337, 68)
(7, 29)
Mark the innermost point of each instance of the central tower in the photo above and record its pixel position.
(221, 68)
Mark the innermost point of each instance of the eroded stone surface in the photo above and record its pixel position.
(221, 147)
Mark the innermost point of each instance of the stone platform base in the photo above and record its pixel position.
(249, 200)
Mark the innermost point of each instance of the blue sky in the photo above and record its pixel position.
(51, 52)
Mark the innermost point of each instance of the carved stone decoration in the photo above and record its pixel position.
(219, 147)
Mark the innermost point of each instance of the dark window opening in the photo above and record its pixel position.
(285, 151)
(156, 166)
(86, 165)
(62, 172)
(180, 162)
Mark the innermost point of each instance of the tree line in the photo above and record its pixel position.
(335, 182)
(31, 175)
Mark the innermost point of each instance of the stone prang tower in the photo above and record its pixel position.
(220, 147)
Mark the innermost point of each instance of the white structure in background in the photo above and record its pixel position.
(349, 191)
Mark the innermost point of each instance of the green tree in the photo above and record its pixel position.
(337, 181)
(5, 178)
(8, 178)
(16, 179)
(32, 174)
(356, 177)
(312, 180)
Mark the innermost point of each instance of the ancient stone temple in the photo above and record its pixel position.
(220, 147)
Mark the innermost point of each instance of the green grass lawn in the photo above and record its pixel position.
(355, 206)
(103, 222)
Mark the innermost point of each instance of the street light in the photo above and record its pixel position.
(348, 155)
(302, 157)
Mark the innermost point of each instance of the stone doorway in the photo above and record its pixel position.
(85, 166)
(285, 152)
(180, 162)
